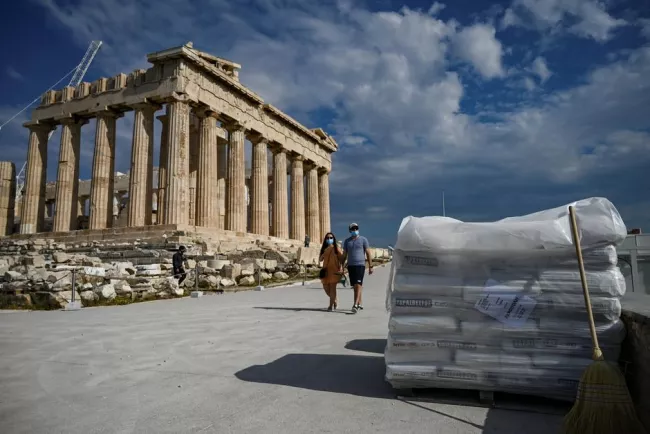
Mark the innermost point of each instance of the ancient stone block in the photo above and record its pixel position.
(280, 275)
(106, 292)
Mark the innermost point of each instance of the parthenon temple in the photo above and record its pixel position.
(200, 181)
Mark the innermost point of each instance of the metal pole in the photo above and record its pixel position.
(443, 203)
(74, 281)
(196, 277)
(304, 272)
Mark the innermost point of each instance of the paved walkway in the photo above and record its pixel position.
(252, 362)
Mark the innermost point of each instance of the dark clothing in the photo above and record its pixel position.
(177, 260)
(177, 264)
(180, 274)
(356, 273)
(307, 240)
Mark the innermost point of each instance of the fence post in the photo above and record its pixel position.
(304, 271)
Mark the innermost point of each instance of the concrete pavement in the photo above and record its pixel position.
(249, 362)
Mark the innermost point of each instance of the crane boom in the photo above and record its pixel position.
(78, 75)
(83, 66)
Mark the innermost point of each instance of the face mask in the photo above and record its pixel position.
(329, 241)
(354, 233)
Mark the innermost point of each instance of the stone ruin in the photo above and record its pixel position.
(199, 195)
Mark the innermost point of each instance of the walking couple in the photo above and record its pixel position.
(355, 253)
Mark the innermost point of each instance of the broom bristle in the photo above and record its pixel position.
(603, 404)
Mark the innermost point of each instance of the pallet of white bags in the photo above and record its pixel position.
(484, 398)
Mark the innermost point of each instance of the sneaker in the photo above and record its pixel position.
(354, 309)
(359, 307)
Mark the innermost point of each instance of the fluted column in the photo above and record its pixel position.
(33, 205)
(141, 177)
(67, 179)
(324, 202)
(297, 199)
(7, 197)
(280, 195)
(236, 182)
(195, 134)
(260, 187)
(207, 201)
(176, 200)
(222, 175)
(162, 168)
(103, 175)
(313, 214)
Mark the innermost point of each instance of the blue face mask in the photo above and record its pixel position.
(354, 233)
(329, 241)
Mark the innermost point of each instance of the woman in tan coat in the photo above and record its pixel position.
(330, 256)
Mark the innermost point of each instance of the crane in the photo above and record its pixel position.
(78, 73)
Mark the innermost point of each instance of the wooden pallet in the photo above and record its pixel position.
(485, 399)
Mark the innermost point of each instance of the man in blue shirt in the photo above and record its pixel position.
(356, 251)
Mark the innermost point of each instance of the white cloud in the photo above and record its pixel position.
(436, 7)
(12, 73)
(390, 78)
(540, 69)
(478, 45)
(645, 27)
(585, 18)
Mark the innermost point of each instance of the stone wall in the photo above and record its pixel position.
(635, 355)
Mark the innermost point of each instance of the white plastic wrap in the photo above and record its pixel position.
(545, 233)
(499, 306)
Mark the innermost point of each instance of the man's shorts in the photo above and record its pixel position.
(356, 273)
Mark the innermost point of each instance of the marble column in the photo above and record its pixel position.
(194, 163)
(207, 200)
(103, 175)
(236, 180)
(280, 195)
(297, 199)
(176, 200)
(222, 175)
(313, 214)
(162, 168)
(67, 179)
(324, 201)
(7, 197)
(141, 176)
(81, 209)
(33, 207)
(260, 187)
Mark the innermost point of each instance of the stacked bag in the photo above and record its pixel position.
(499, 306)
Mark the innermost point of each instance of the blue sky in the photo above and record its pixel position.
(509, 107)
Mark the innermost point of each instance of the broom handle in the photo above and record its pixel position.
(597, 353)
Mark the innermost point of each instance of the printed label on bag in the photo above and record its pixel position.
(413, 302)
(418, 260)
(510, 309)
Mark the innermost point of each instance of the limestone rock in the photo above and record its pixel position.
(227, 282)
(278, 256)
(122, 288)
(247, 280)
(163, 294)
(36, 261)
(231, 271)
(89, 296)
(91, 261)
(57, 275)
(280, 275)
(217, 264)
(61, 257)
(191, 264)
(12, 276)
(170, 285)
(106, 292)
(148, 270)
(45, 300)
(61, 284)
(264, 276)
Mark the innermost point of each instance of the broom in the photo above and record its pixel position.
(603, 404)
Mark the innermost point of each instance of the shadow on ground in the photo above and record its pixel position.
(368, 345)
(303, 309)
(337, 373)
